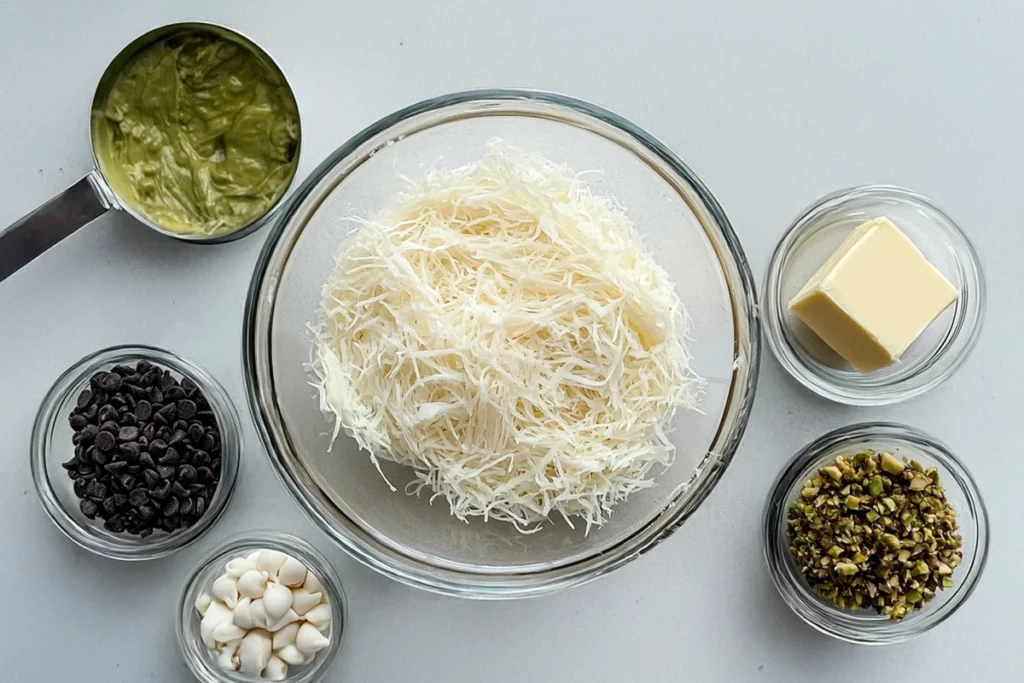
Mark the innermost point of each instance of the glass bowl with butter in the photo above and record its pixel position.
(873, 296)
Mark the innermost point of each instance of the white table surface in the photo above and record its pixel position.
(772, 103)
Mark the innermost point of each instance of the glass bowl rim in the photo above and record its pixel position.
(46, 421)
(967, 327)
(264, 539)
(833, 621)
(485, 585)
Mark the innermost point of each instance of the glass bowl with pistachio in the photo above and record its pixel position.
(875, 533)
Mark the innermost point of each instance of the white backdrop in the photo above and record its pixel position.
(772, 103)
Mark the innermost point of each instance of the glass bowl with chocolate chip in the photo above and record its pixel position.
(135, 452)
(875, 533)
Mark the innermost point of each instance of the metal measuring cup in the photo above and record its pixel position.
(93, 195)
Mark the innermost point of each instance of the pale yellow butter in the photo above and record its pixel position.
(874, 296)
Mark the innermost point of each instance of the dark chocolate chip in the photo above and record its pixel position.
(110, 426)
(131, 451)
(187, 474)
(115, 467)
(83, 399)
(186, 409)
(138, 497)
(143, 410)
(165, 471)
(110, 382)
(195, 433)
(77, 421)
(170, 457)
(162, 491)
(105, 441)
(128, 433)
(89, 433)
(89, 508)
(109, 506)
(151, 478)
(178, 490)
(171, 507)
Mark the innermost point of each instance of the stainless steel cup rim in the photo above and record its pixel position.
(106, 82)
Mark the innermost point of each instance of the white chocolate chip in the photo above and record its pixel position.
(225, 589)
(239, 566)
(203, 601)
(252, 583)
(242, 614)
(319, 616)
(291, 654)
(228, 657)
(277, 669)
(312, 584)
(309, 640)
(277, 600)
(289, 617)
(216, 613)
(303, 601)
(254, 652)
(259, 614)
(285, 636)
(292, 572)
(227, 631)
(270, 561)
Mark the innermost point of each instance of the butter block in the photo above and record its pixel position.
(874, 296)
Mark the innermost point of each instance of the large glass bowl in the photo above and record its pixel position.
(406, 537)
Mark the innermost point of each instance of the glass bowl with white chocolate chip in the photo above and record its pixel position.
(873, 296)
(265, 606)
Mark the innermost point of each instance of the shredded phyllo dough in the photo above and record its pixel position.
(504, 332)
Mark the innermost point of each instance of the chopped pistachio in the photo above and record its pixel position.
(891, 464)
(833, 472)
(870, 531)
(875, 486)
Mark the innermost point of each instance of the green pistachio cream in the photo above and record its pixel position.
(198, 134)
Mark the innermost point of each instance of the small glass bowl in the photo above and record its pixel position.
(51, 446)
(202, 661)
(864, 626)
(807, 244)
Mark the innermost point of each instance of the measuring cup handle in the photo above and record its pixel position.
(33, 234)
